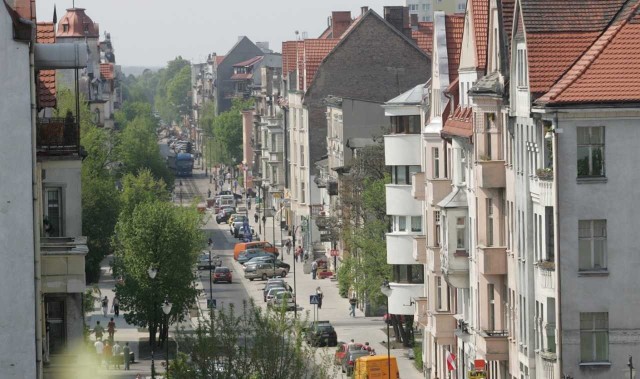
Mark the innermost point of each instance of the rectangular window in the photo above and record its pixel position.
(591, 151)
(492, 307)
(435, 152)
(489, 222)
(416, 224)
(302, 192)
(302, 162)
(594, 337)
(402, 224)
(461, 233)
(592, 244)
(438, 292)
(408, 274)
(436, 222)
(521, 63)
(53, 212)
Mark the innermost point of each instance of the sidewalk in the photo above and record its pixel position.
(334, 308)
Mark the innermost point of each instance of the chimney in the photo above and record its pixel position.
(414, 21)
(23, 8)
(398, 17)
(364, 9)
(340, 22)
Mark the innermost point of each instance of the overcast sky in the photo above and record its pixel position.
(152, 32)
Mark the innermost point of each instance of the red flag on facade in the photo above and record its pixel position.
(451, 361)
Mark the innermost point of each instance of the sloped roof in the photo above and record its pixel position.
(79, 25)
(289, 55)
(315, 50)
(609, 71)
(480, 26)
(559, 32)
(508, 7)
(219, 59)
(411, 96)
(242, 76)
(45, 33)
(459, 123)
(249, 62)
(424, 36)
(454, 25)
(106, 71)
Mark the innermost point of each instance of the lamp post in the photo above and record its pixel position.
(386, 290)
(166, 309)
(152, 272)
(294, 229)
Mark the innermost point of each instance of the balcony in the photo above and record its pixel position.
(492, 260)
(402, 150)
(443, 326)
(433, 259)
(418, 186)
(400, 202)
(400, 249)
(545, 277)
(275, 158)
(421, 315)
(490, 174)
(541, 191)
(402, 297)
(437, 189)
(493, 344)
(420, 249)
(58, 136)
(455, 268)
(63, 264)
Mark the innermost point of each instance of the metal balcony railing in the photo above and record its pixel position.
(58, 136)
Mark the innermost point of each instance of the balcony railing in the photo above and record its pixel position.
(494, 344)
(491, 174)
(541, 191)
(420, 249)
(492, 260)
(433, 258)
(437, 189)
(418, 186)
(58, 136)
(421, 314)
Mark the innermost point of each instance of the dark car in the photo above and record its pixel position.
(349, 360)
(268, 259)
(224, 214)
(248, 254)
(222, 274)
(320, 333)
(225, 193)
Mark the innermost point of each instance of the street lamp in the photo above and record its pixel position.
(166, 308)
(152, 272)
(293, 230)
(386, 290)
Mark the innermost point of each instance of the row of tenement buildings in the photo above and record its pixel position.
(43, 249)
(510, 138)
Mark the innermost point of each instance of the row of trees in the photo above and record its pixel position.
(224, 131)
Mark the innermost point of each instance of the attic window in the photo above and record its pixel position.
(65, 28)
(86, 28)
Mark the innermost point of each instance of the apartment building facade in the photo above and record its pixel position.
(425, 9)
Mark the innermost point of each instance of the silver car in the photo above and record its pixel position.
(264, 271)
(205, 263)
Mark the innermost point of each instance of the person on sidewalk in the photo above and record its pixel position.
(314, 269)
(126, 351)
(105, 306)
(299, 253)
(352, 304)
(99, 346)
(116, 306)
(116, 350)
(111, 328)
(320, 296)
(255, 217)
(107, 354)
(99, 331)
(288, 246)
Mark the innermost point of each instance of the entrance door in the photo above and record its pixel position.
(56, 330)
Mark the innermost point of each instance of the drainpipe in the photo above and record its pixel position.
(556, 243)
(36, 205)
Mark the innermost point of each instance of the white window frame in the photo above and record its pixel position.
(592, 232)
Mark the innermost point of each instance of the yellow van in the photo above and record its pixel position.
(376, 366)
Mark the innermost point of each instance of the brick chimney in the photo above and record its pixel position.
(398, 16)
(340, 22)
(364, 10)
(23, 8)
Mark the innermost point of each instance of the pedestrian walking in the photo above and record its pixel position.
(255, 217)
(116, 306)
(116, 350)
(126, 351)
(209, 193)
(320, 296)
(352, 306)
(105, 306)
(288, 246)
(298, 253)
(248, 203)
(99, 331)
(314, 269)
(99, 346)
(111, 328)
(107, 354)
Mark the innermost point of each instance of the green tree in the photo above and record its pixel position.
(168, 238)
(227, 131)
(171, 82)
(141, 188)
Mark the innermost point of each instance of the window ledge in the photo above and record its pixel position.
(595, 364)
(593, 273)
(590, 180)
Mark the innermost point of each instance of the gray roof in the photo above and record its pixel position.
(358, 143)
(412, 96)
(455, 199)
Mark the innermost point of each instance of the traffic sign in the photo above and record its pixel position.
(313, 299)
(335, 252)
(211, 303)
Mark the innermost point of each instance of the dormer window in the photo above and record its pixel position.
(86, 28)
(65, 28)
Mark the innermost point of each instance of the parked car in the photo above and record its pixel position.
(273, 283)
(342, 350)
(282, 299)
(239, 233)
(264, 245)
(224, 214)
(268, 259)
(205, 263)
(222, 274)
(321, 333)
(264, 271)
(349, 360)
(273, 291)
(250, 254)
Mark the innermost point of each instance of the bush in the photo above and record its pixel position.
(417, 356)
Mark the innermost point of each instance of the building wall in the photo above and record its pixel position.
(66, 174)
(615, 201)
(425, 8)
(17, 285)
(243, 50)
(362, 119)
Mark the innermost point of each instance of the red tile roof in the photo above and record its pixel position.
(424, 36)
(106, 71)
(454, 27)
(45, 33)
(508, 7)
(219, 59)
(78, 25)
(609, 71)
(242, 76)
(559, 32)
(289, 55)
(249, 62)
(460, 123)
(315, 50)
(326, 34)
(480, 9)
